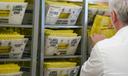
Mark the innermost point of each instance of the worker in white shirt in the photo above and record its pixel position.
(109, 57)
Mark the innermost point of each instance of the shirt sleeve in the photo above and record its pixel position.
(93, 66)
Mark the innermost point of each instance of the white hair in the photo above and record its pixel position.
(121, 7)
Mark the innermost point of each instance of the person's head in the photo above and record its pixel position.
(119, 13)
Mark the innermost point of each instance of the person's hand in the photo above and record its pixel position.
(97, 37)
(109, 15)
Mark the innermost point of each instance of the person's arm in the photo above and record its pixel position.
(93, 66)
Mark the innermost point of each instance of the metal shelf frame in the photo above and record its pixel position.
(35, 36)
(63, 26)
(41, 61)
(84, 32)
(96, 1)
(83, 28)
(73, 0)
(15, 60)
(17, 26)
(34, 45)
(64, 57)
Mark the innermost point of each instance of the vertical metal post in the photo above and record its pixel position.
(42, 37)
(35, 36)
(84, 31)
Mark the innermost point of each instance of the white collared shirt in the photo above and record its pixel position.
(109, 57)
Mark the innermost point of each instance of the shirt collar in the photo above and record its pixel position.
(123, 32)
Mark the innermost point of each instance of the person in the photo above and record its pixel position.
(109, 57)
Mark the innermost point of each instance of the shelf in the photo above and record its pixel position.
(73, 0)
(96, 1)
(19, 26)
(60, 57)
(24, 59)
(62, 26)
(5, 57)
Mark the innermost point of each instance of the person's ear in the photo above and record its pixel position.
(114, 17)
(117, 23)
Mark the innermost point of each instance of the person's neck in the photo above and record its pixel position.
(119, 25)
(122, 26)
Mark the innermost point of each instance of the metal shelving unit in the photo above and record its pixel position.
(82, 27)
(34, 45)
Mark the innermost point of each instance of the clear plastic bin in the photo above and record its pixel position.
(62, 12)
(61, 68)
(16, 47)
(61, 71)
(61, 45)
(14, 13)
